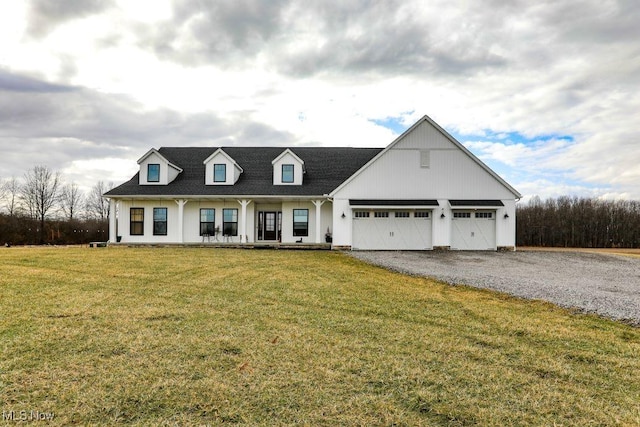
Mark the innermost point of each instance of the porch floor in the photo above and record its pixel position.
(230, 245)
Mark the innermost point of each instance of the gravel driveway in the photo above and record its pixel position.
(608, 285)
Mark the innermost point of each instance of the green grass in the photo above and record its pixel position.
(187, 336)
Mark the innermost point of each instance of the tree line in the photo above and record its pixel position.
(40, 208)
(578, 222)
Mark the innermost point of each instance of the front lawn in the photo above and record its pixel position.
(186, 336)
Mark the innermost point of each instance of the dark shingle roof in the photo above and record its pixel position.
(479, 203)
(326, 168)
(392, 202)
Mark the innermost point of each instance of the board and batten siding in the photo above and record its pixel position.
(124, 221)
(451, 173)
(192, 220)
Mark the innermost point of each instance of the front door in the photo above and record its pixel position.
(270, 226)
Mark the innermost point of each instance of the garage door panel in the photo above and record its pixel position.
(473, 230)
(461, 233)
(391, 232)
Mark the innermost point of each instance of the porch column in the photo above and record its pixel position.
(112, 221)
(318, 204)
(243, 229)
(181, 203)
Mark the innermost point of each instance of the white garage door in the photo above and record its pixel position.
(473, 230)
(391, 230)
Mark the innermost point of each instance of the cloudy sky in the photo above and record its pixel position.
(545, 92)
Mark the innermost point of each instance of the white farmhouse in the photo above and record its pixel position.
(424, 191)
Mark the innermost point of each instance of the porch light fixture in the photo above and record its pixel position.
(442, 215)
(343, 215)
(506, 216)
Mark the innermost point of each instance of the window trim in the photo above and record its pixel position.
(157, 222)
(149, 172)
(293, 175)
(484, 215)
(132, 222)
(460, 215)
(225, 222)
(300, 232)
(224, 170)
(211, 228)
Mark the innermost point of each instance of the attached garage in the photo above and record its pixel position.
(473, 226)
(392, 225)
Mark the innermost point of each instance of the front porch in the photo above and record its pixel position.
(276, 222)
(232, 245)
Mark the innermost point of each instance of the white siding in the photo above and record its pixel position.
(232, 171)
(192, 220)
(167, 172)
(298, 168)
(287, 222)
(153, 158)
(398, 175)
(172, 221)
(451, 174)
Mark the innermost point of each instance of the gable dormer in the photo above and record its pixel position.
(288, 169)
(221, 169)
(155, 169)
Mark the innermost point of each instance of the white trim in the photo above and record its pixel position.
(228, 157)
(288, 151)
(154, 151)
(427, 119)
(216, 197)
(393, 207)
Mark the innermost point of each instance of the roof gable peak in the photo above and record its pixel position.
(284, 153)
(224, 154)
(157, 153)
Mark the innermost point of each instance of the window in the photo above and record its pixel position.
(230, 222)
(287, 173)
(462, 214)
(219, 173)
(207, 221)
(421, 214)
(425, 159)
(136, 221)
(301, 222)
(362, 214)
(159, 221)
(381, 214)
(487, 215)
(153, 172)
(402, 214)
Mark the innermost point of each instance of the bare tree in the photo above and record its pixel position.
(579, 222)
(40, 192)
(12, 196)
(71, 199)
(97, 206)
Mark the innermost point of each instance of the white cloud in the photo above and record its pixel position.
(140, 74)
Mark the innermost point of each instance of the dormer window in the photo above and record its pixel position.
(287, 174)
(153, 172)
(216, 167)
(156, 169)
(288, 169)
(219, 172)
